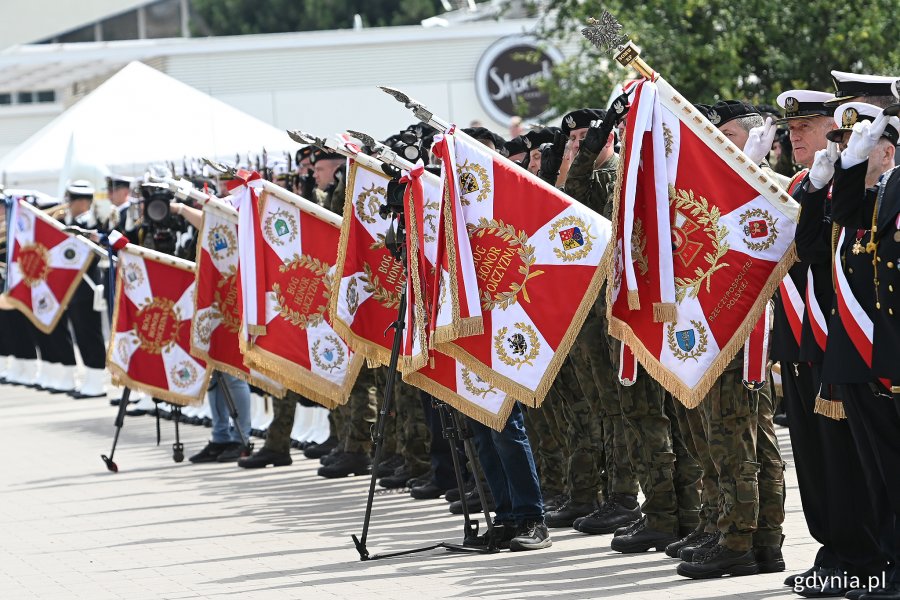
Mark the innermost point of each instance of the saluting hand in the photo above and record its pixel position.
(863, 139)
(759, 143)
(822, 170)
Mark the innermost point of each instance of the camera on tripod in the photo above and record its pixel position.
(159, 222)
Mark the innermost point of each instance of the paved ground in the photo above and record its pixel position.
(156, 529)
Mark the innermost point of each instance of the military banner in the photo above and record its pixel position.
(217, 310)
(702, 236)
(45, 265)
(448, 380)
(366, 294)
(537, 259)
(288, 248)
(149, 345)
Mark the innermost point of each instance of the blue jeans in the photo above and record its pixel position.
(222, 431)
(508, 465)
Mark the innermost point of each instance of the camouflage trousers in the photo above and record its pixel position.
(354, 419)
(591, 358)
(669, 477)
(549, 444)
(278, 435)
(406, 432)
(729, 414)
(690, 426)
(771, 473)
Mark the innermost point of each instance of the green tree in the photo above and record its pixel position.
(241, 17)
(716, 49)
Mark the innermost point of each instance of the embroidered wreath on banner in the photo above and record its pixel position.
(378, 244)
(223, 232)
(708, 218)
(337, 352)
(639, 247)
(772, 231)
(231, 321)
(669, 138)
(352, 296)
(471, 381)
(508, 234)
(468, 171)
(132, 276)
(527, 351)
(205, 324)
(184, 374)
(696, 351)
(588, 238)
(382, 295)
(317, 267)
(368, 202)
(34, 264)
(278, 218)
(430, 216)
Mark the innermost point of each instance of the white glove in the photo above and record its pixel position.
(822, 169)
(863, 139)
(760, 141)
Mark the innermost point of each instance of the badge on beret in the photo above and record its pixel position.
(570, 122)
(895, 88)
(527, 142)
(714, 117)
(849, 118)
(791, 105)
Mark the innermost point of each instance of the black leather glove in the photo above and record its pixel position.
(551, 158)
(599, 131)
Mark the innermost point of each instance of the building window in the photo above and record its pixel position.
(84, 34)
(5, 98)
(24, 98)
(163, 19)
(121, 27)
(46, 96)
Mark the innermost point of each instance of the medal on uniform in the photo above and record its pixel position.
(857, 245)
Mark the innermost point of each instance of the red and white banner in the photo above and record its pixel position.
(537, 263)
(289, 247)
(628, 366)
(366, 293)
(45, 266)
(216, 325)
(448, 380)
(703, 238)
(149, 346)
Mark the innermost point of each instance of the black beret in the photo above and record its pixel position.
(536, 137)
(325, 154)
(515, 146)
(704, 109)
(581, 118)
(483, 133)
(728, 110)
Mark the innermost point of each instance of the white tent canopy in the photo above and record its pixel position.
(136, 118)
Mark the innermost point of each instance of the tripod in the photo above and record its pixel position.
(451, 422)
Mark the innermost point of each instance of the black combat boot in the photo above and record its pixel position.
(347, 463)
(565, 515)
(692, 552)
(619, 510)
(388, 465)
(718, 561)
(320, 450)
(263, 458)
(769, 559)
(674, 548)
(641, 539)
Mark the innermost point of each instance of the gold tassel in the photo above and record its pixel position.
(256, 329)
(634, 300)
(665, 312)
(833, 409)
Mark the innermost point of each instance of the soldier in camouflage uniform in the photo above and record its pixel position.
(412, 437)
(550, 448)
(742, 442)
(352, 453)
(595, 427)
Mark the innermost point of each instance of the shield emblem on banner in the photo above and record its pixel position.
(686, 339)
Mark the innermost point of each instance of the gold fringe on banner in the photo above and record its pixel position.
(634, 300)
(496, 421)
(665, 312)
(833, 409)
(121, 379)
(692, 397)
